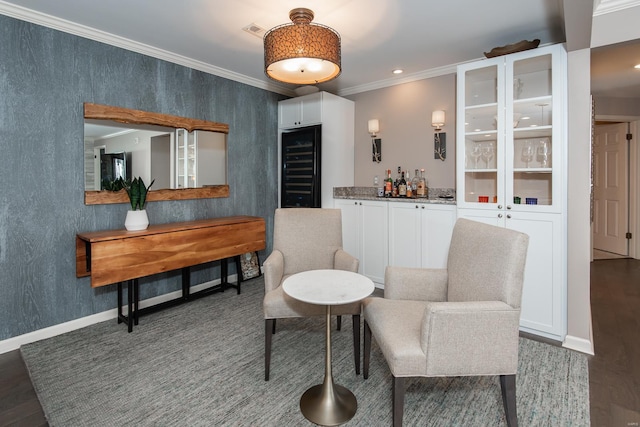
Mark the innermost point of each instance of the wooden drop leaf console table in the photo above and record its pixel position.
(117, 256)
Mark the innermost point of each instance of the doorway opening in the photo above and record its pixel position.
(614, 171)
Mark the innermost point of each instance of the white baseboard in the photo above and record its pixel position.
(578, 344)
(14, 343)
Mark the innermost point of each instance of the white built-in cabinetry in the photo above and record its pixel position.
(336, 115)
(381, 233)
(511, 168)
(301, 111)
(419, 234)
(365, 235)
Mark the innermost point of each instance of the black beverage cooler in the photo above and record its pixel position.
(300, 174)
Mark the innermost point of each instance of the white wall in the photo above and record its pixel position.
(404, 112)
(578, 202)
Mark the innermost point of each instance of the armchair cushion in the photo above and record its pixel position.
(304, 239)
(345, 261)
(397, 325)
(470, 338)
(273, 268)
(415, 284)
(486, 263)
(292, 239)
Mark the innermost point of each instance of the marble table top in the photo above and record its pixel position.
(328, 287)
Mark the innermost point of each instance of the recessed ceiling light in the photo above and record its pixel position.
(397, 71)
(637, 66)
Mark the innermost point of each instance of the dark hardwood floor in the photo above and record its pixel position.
(19, 405)
(614, 372)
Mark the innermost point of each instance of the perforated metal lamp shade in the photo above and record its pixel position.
(301, 52)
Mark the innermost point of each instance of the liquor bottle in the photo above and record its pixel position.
(409, 188)
(426, 183)
(402, 186)
(414, 183)
(422, 184)
(388, 184)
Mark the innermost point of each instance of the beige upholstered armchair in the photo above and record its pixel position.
(458, 321)
(305, 239)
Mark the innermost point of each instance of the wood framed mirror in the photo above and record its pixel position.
(127, 143)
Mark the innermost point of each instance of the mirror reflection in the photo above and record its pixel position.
(174, 158)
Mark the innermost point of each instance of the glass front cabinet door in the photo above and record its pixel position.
(510, 154)
(511, 133)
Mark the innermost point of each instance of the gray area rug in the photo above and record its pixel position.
(202, 364)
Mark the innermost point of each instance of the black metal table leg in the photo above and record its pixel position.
(136, 300)
(224, 273)
(120, 315)
(186, 283)
(130, 305)
(238, 272)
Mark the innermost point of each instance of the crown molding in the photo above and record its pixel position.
(34, 17)
(381, 84)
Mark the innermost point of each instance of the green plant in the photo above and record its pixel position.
(137, 192)
(114, 185)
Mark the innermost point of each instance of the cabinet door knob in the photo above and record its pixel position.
(416, 206)
(499, 206)
(499, 215)
(508, 206)
(423, 207)
(355, 203)
(508, 215)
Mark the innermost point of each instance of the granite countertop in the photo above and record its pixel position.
(443, 196)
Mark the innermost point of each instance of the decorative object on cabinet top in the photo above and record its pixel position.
(513, 48)
(445, 196)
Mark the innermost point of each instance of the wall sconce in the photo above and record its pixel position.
(376, 143)
(439, 138)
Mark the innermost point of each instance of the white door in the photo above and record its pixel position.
(405, 230)
(374, 240)
(610, 188)
(542, 295)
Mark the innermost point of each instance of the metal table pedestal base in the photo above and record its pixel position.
(328, 404)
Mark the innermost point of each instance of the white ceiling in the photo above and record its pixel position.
(423, 38)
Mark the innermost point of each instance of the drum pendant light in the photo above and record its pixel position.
(301, 52)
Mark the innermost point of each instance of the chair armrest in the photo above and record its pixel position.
(273, 268)
(344, 261)
(470, 338)
(423, 284)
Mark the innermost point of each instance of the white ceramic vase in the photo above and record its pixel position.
(136, 220)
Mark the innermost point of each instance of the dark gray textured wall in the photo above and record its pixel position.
(45, 77)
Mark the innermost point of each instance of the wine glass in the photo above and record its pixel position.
(527, 153)
(487, 152)
(475, 153)
(543, 153)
